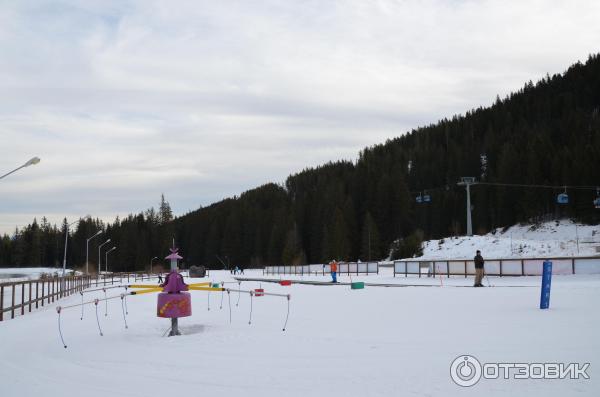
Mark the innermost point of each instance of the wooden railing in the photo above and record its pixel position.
(497, 266)
(35, 293)
(349, 268)
(24, 296)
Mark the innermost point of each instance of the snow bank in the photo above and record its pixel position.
(27, 273)
(550, 239)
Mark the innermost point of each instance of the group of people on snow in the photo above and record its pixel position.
(237, 270)
(479, 269)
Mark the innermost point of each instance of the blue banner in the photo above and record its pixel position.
(546, 282)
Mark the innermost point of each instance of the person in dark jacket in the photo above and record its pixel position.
(478, 269)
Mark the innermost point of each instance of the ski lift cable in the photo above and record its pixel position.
(423, 196)
(434, 189)
(573, 187)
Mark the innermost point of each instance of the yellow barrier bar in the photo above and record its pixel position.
(157, 286)
(144, 286)
(146, 291)
(206, 289)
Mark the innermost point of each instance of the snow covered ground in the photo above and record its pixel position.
(339, 342)
(550, 239)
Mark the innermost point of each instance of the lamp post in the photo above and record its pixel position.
(106, 258)
(66, 240)
(99, 257)
(32, 161)
(87, 251)
(156, 257)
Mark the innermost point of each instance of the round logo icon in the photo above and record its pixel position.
(465, 370)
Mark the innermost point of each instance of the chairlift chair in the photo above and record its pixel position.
(563, 198)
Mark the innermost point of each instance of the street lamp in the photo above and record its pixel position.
(87, 250)
(99, 258)
(156, 257)
(106, 258)
(32, 161)
(66, 235)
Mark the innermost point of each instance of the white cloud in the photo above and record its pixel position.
(203, 100)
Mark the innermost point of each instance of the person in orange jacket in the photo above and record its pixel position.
(333, 266)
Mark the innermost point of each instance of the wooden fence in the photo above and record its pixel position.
(349, 268)
(24, 296)
(497, 267)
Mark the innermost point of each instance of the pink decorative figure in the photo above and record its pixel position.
(174, 283)
(173, 302)
(174, 305)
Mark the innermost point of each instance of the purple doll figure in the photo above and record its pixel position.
(174, 283)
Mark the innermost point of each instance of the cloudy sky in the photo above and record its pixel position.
(201, 100)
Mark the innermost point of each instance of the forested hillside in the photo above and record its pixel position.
(544, 136)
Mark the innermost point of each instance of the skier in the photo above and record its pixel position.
(333, 268)
(478, 269)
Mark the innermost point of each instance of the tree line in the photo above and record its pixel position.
(547, 133)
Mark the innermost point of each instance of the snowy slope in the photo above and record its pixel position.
(339, 342)
(27, 273)
(550, 239)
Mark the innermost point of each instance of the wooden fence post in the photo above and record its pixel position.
(2, 303)
(522, 268)
(22, 299)
(30, 297)
(12, 310)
